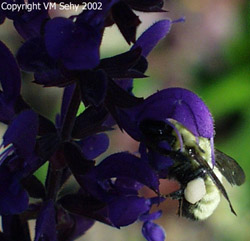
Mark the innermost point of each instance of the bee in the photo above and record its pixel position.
(200, 178)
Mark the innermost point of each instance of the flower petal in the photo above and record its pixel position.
(126, 165)
(93, 86)
(125, 65)
(46, 223)
(126, 20)
(151, 216)
(77, 47)
(153, 232)
(29, 23)
(179, 104)
(183, 106)
(95, 145)
(124, 211)
(22, 133)
(32, 56)
(148, 40)
(13, 198)
(89, 122)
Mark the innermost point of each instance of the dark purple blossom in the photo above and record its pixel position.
(148, 40)
(27, 21)
(30, 24)
(153, 232)
(20, 137)
(182, 105)
(13, 197)
(76, 46)
(150, 230)
(125, 165)
(115, 183)
(124, 211)
(16, 159)
(64, 52)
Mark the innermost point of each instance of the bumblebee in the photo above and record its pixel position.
(196, 166)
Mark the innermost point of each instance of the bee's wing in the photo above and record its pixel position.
(203, 163)
(229, 168)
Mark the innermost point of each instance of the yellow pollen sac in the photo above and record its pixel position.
(195, 190)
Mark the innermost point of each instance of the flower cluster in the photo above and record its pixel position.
(64, 52)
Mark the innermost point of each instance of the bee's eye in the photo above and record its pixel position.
(191, 151)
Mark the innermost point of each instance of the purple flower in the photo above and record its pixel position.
(86, 142)
(173, 103)
(13, 197)
(115, 182)
(16, 160)
(153, 232)
(27, 23)
(19, 139)
(75, 42)
(146, 42)
(175, 107)
(75, 45)
(150, 230)
(64, 52)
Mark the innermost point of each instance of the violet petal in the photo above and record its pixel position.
(148, 40)
(151, 216)
(153, 232)
(22, 133)
(126, 165)
(30, 23)
(183, 106)
(124, 211)
(179, 104)
(46, 223)
(95, 145)
(13, 198)
(76, 47)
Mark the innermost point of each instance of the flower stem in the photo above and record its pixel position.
(55, 173)
(69, 119)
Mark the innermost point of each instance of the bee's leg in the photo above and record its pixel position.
(180, 208)
(176, 195)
